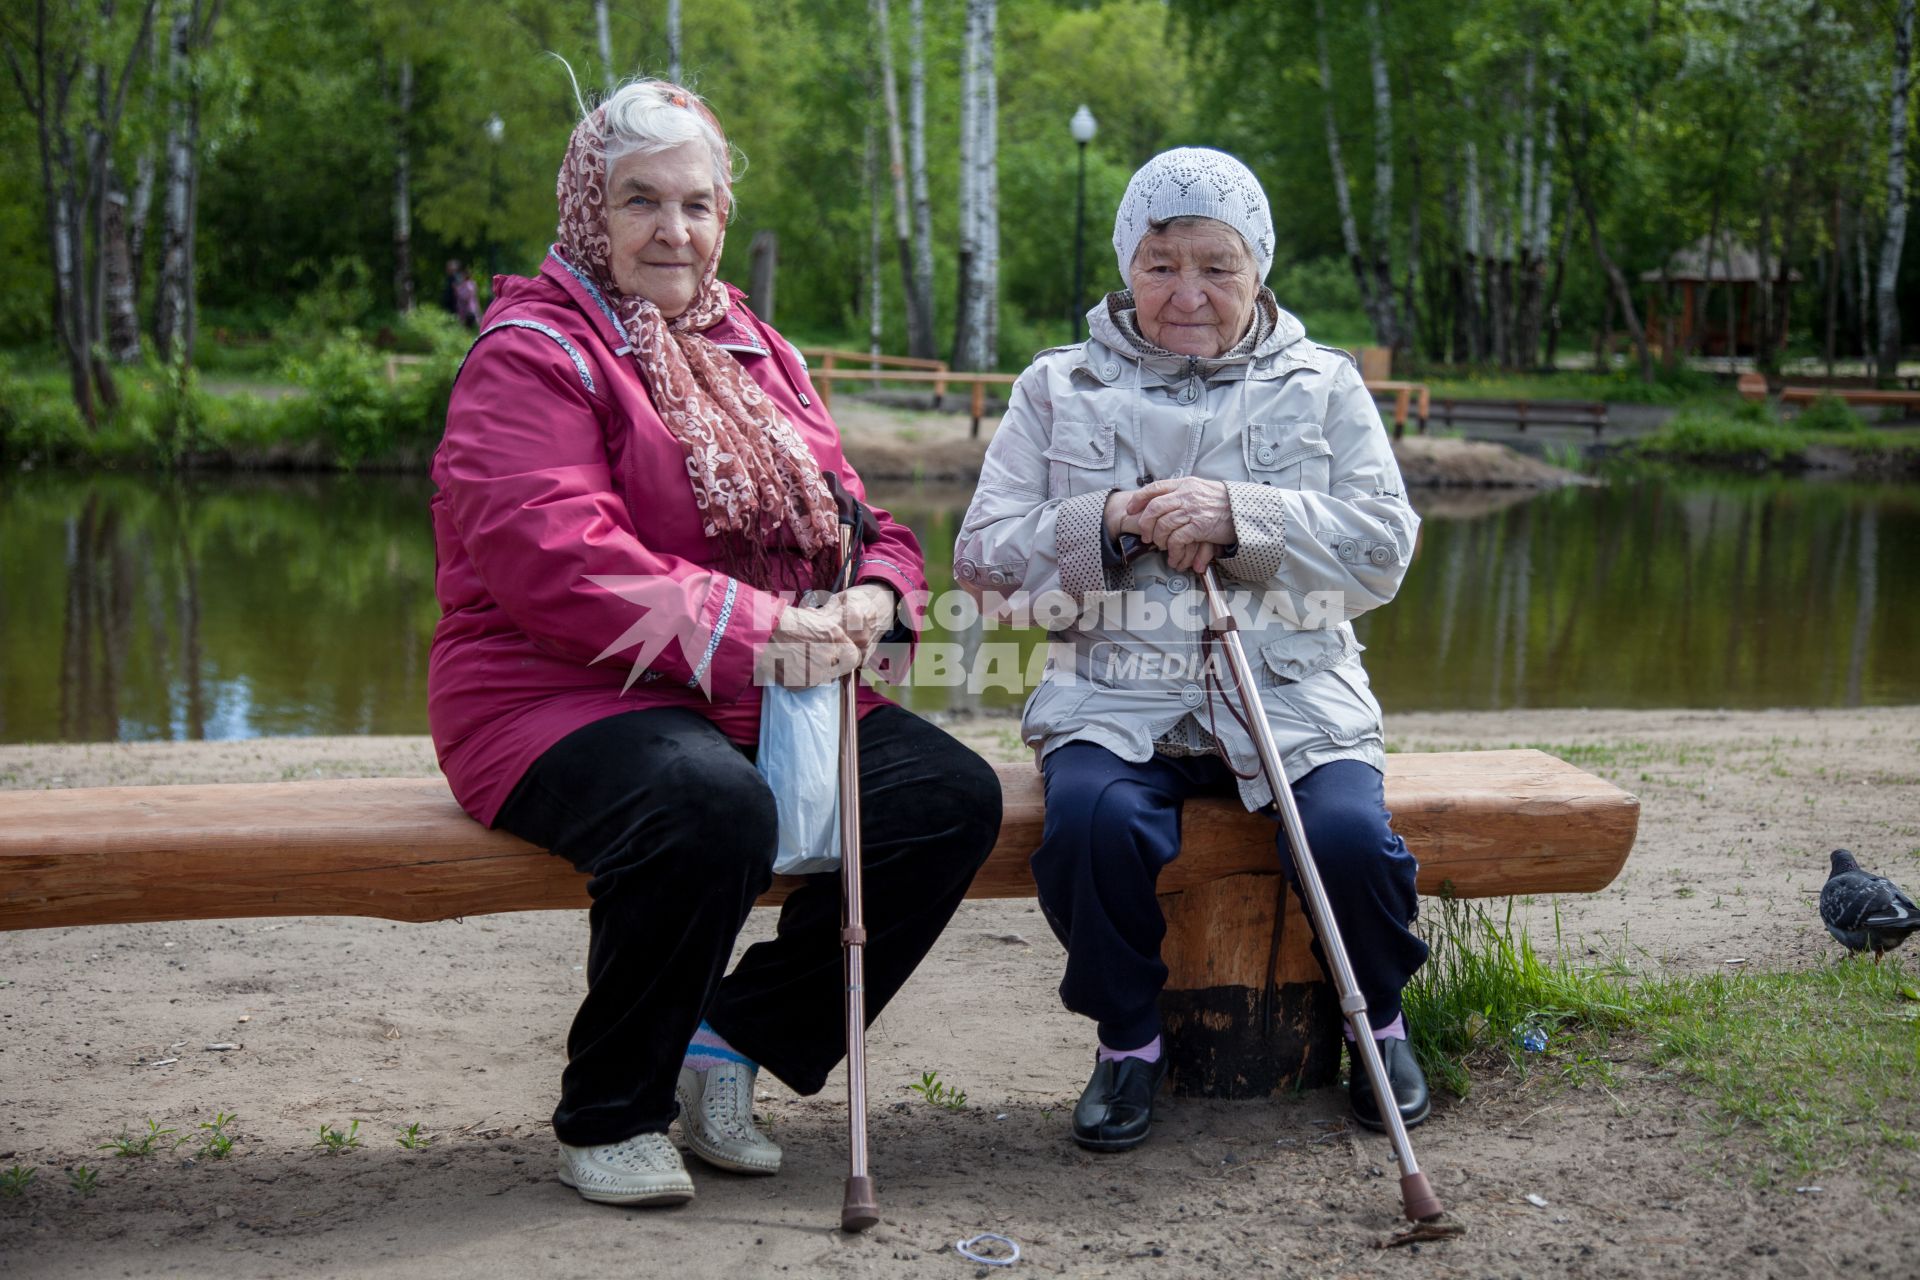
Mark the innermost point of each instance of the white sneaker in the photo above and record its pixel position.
(645, 1169)
(716, 1119)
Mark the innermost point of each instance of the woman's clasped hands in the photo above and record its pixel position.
(812, 645)
(1187, 517)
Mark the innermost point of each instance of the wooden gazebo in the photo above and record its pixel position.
(1711, 284)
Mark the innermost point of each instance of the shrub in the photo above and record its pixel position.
(1829, 413)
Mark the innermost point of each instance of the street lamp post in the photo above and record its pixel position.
(496, 129)
(1083, 126)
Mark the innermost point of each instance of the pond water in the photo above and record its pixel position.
(141, 607)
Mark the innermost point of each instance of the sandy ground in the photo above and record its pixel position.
(459, 1026)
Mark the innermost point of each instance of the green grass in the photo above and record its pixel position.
(938, 1094)
(1682, 387)
(133, 1146)
(1801, 1072)
(333, 1141)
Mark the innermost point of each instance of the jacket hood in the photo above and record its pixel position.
(1287, 330)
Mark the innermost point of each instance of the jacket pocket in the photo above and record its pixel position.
(1080, 457)
(1292, 455)
(1083, 444)
(1299, 654)
(1338, 704)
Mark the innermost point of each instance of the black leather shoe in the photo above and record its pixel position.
(1403, 1073)
(1116, 1110)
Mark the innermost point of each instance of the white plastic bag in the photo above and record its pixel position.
(799, 757)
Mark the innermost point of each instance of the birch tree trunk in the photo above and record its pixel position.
(967, 199)
(1343, 197)
(1476, 264)
(1391, 334)
(403, 191)
(919, 324)
(123, 316)
(673, 40)
(1896, 235)
(174, 299)
(917, 163)
(603, 29)
(988, 123)
(1622, 294)
(875, 293)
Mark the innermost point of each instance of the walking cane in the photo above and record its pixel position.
(1416, 1196)
(860, 1210)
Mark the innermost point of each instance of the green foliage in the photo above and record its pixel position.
(216, 1143)
(1714, 438)
(1484, 985)
(357, 413)
(133, 1146)
(14, 1181)
(1829, 413)
(937, 1094)
(414, 1138)
(83, 1180)
(333, 1141)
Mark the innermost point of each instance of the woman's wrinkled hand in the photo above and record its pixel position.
(866, 614)
(807, 647)
(1188, 518)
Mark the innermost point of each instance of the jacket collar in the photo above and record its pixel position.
(1110, 355)
(730, 333)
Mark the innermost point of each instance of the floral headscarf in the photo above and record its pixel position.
(751, 472)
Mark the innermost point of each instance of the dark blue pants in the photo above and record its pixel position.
(1111, 826)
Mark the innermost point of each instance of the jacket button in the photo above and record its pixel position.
(998, 578)
(1111, 372)
(967, 570)
(1188, 395)
(1380, 554)
(1264, 453)
(1179, 583)
(1349, 550)
(1192, 695)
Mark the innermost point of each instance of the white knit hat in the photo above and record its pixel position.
(1194, 182)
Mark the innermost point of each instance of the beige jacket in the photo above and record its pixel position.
(1324, 527)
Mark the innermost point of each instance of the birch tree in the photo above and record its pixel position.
(52, 63)
(977, 322)
(1389, 331)
(176, 320)
(1896, 234)
(917, 163)
(403, 188)
(673, 40)
(919, 305)
(603, 31)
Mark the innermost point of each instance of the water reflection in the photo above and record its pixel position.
(142, 608)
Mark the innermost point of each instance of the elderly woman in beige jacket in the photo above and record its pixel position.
(1197, 426)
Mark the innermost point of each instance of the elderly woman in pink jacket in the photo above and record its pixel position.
(636, 483)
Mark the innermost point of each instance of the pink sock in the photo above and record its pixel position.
(708, 1051)
(1395, 1030)
(1148, 1052)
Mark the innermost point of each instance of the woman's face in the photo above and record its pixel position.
(663, 217)
(1193, 287)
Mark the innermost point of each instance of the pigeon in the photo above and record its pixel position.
(1865, 912)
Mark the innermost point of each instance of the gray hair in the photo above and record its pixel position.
(645, 117)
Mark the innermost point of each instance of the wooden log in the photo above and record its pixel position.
(1483, 824)
(1230, 1033)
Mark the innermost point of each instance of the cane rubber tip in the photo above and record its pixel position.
(861, 1210)
(1422, 1205)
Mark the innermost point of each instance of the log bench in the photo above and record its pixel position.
(1521, 414)
(1482, 823)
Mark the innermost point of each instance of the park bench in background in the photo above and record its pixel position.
(1525, 413)
(1407, 396)
(1482, 823)
(1754, 386)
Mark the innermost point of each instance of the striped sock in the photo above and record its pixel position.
(708, 1051)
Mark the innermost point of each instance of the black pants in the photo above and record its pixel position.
(1112, 825)
(677, 830)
